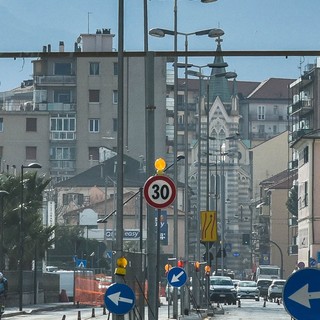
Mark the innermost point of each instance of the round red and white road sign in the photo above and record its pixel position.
(159, 191)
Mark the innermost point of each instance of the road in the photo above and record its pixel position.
(249, 310)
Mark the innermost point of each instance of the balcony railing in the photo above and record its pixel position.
(55, 106)
(55, 80)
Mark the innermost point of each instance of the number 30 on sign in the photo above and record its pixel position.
(159, 191)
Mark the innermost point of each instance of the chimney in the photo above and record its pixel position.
(49, 47)
(61, 46)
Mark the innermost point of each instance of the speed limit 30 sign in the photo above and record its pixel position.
(159, 191)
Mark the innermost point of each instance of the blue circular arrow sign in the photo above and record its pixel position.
(119, 298)
(301, 294)
(177, 277)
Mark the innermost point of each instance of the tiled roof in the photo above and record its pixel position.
(95, 176)
(273, 88)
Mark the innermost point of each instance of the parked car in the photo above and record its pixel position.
(263, 286)
(275, 289)
(222, 289)
(248, 290)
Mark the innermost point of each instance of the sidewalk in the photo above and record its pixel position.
(14, 311)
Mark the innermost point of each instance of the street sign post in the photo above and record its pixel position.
(119, 298)
(301, 294)
(159, 191)
(177, 277)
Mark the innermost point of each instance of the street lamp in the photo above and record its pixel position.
(2, 261)
(33, 165)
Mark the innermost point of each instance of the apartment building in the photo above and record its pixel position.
(70, 120)
(304, 142)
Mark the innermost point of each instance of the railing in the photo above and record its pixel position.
(62, 135)
(54, 80)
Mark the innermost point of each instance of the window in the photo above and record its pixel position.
(93, 153)
(115, 97)
(94, 95)
(94, 125)
(62, 96)
(63, 124)
(115, 124)
(1, 124)
(63, 69)
(261, 112)
(115, 68)
(31, 153)
(62, 153)
(31, 124)
(94, 69)
(77, 198)
(306, 155)
(305, 193)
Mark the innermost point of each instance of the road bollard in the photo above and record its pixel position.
(63, 317)
(239, 303)
(79, 315)
(104, 311)
(93, 315)
(264, 302)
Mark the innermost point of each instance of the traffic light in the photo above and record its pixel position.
(197, 266)
(121, 266)
(246, 239)
(180, 263)
(167, 267)
(207, 270)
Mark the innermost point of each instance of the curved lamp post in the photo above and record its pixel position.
(33, 165)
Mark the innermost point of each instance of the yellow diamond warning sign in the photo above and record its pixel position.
(208, 226)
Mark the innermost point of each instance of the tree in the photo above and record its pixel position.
(37, 237)
(70, 243)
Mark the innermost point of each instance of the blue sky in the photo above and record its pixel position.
(248, 25)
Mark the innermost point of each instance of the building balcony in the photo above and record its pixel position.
(293, 164)
(293, 136)
(55, 80)
(63, 135)
(301, 106)
(55, 106)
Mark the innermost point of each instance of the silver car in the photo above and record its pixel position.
(248, 290)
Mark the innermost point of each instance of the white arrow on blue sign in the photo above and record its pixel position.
(177, 277)
(119, 298)
(301, 294)
(81, 263)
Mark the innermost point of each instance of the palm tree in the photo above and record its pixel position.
(37, 237)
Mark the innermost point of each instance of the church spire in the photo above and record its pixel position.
(218, 85)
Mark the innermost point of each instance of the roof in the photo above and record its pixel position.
(272, 88)
(134, 175)
(282, 180)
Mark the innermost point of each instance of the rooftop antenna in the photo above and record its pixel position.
(89, 21)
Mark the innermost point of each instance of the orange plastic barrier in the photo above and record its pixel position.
(90, 289)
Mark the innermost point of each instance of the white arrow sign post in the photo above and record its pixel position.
(303, 296)
(119, 298)
(115, 298)
(177, 277)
